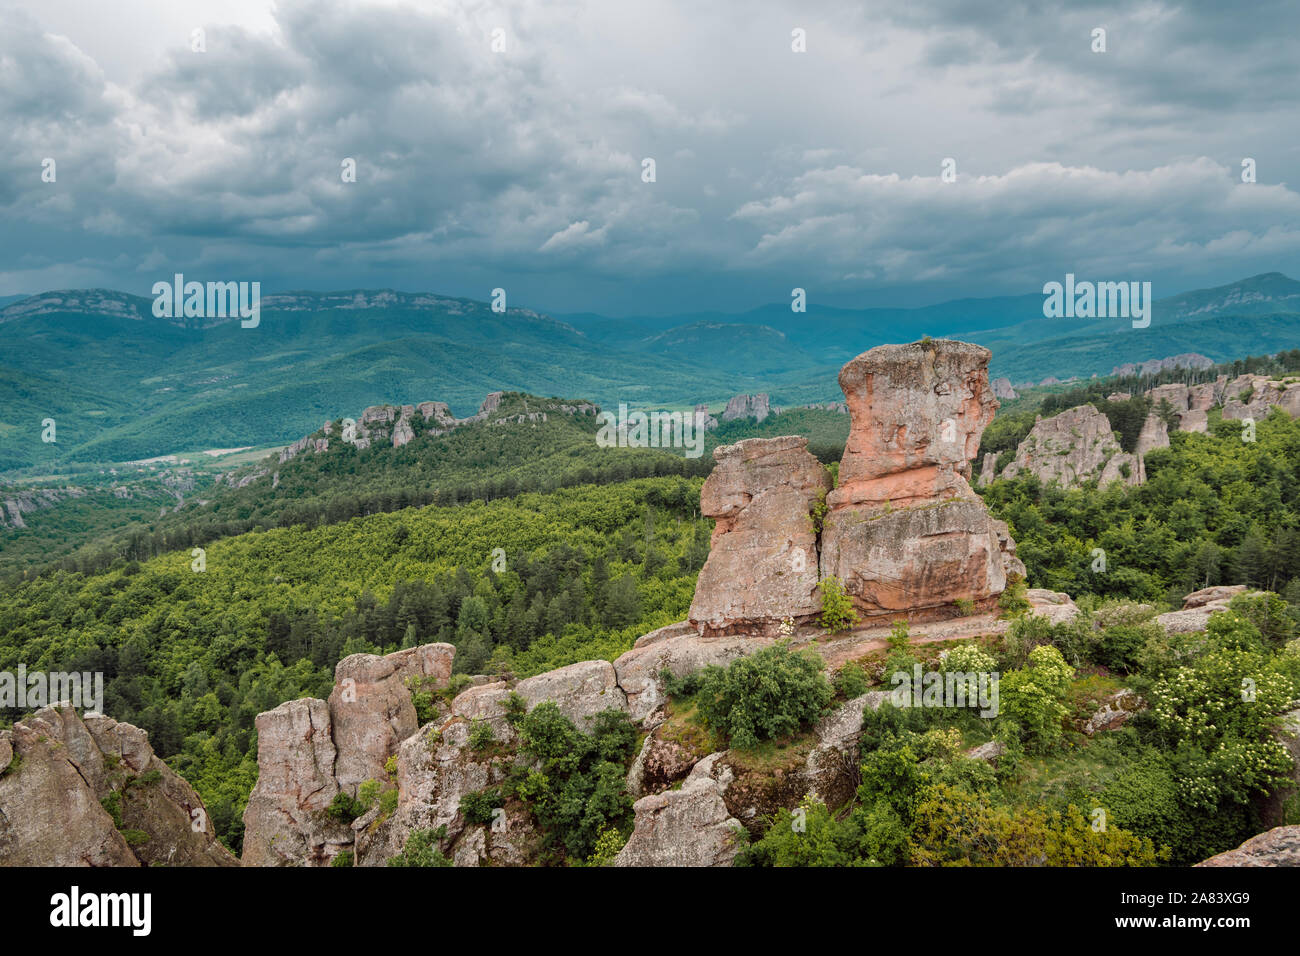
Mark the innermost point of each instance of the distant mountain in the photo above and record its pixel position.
(122, 384)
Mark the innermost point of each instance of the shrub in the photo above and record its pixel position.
(838, 613)
(344, 808)
(421, 850)
(957, 827)
(1121, 645)
(968, 659)
(608, 845)
(851, 681)
(772, 693)
(576, 787)
(478, 807)
(1012, 600)
(965, 606)
(481, 736)
(343, 858)
(1032, 697)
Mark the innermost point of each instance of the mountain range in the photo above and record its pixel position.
(121, 384)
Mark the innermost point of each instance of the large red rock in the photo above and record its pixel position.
(918, 412)
(762, 565)
(905, 532)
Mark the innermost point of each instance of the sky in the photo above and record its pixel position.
(522, 168)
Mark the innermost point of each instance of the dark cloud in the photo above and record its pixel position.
(774, 169)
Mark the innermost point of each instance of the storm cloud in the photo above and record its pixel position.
(522, 168)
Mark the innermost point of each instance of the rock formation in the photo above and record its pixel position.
(1155, 366)
(905, 532)
(91, 792)
(747, 406)
(762, 565)
(1074, 447)
(1197, 608)
(1277, 847)
(1003, 389)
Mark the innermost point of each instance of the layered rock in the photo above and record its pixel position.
(1073, 447)
(762, 564)
(91, 792)
(905, 532)
(747, 406)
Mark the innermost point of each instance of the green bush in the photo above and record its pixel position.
(838, 613)
(344, 808)
(1121, 645)
(851, 681)
(576, 785)
(772, 693)
(1033, 696)
(480, 736)
(478, 807)
(422, 850)
(343, 858)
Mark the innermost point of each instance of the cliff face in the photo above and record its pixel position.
(1076, 446)
(762, 564)
(91, 792)
(903, 530)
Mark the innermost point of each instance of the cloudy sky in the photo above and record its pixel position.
(523, 168)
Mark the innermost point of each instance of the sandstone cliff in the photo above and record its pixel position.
(91, 792)
(905, 532)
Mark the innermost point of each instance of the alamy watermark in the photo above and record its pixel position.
(920, 688)
(23, 690)
(215, 300)
(1098, 300)
(652, 430)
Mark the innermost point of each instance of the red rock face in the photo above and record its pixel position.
(762, 565)
(918, 412)
(905, 533)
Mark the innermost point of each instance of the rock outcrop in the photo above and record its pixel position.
(905, 532)
(1277, 847)
(1002, 389)
(1155, 366)
(1073, 447)
(1197, 608)
(91, 792)
(747, 406)
(762, 564)
(686, 827)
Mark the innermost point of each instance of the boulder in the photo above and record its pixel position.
(1274, 808)
(762, 564)
(660, 763)
(832, 764)
(679, 650)
(1277, 847)
(55, 801)
(1212, 595)
(1056, 606)
(686, 827)
(285, 822)
(988, 752)
(1114, 712)
(371, 711)
(581, 691)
